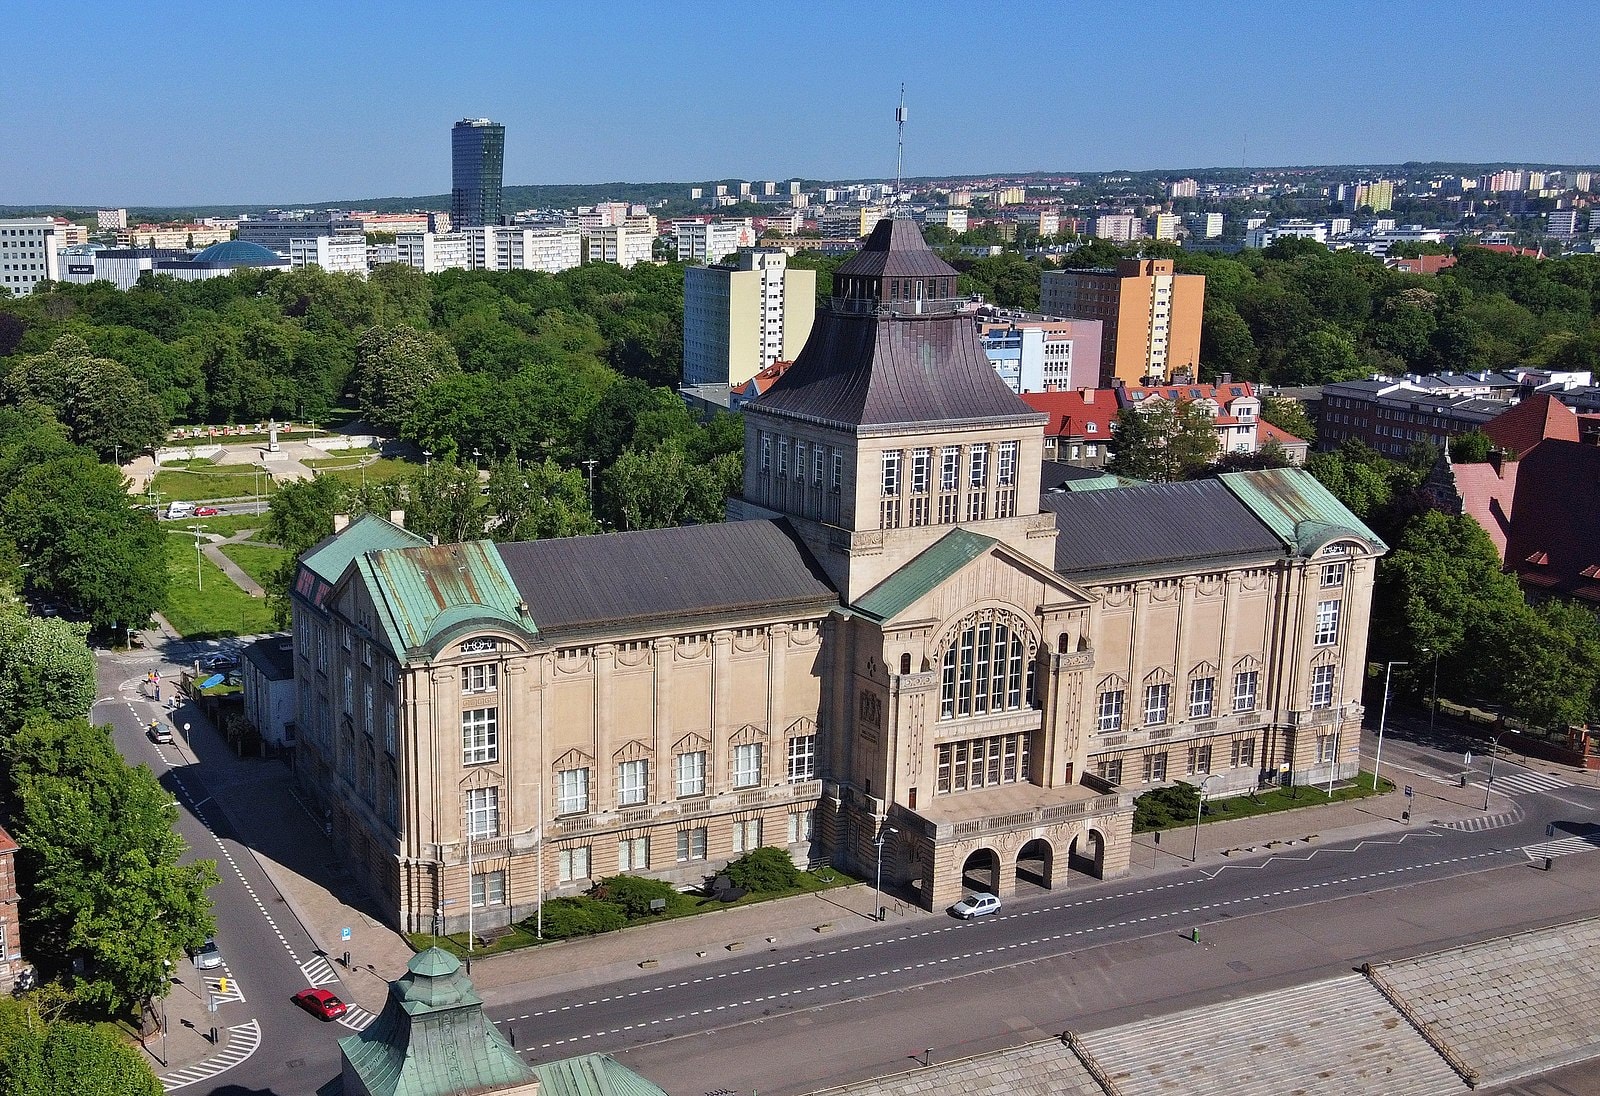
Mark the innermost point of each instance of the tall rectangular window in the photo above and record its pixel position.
(783, 456)
(1157, 703)
(1199, 759)
(746, 835)
(766, 453)
(1327, 623)
(1201, 692)
(388, 728)
(1006, 472)
(1327, 748)
(747, 765)
(1244, 752)
(816, 464)
(1155, 767)
(836, 479)
(483, 812)
(691, 844)
(366, 708)
(921, 470)
(978, 466)
(691, 773)
(483, 677)
(800, 461)
(480, 736)
(572, 791)
(802, 758)
(573, 864)
(1322, 686)
(800, 827)
(891, 472)
(949, 468)
(633, 783)
(633, 854)
(1108, 715)
(1244, 690)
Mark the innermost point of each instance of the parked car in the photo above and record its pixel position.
(206, 512)
(208, 956)
(976, 905)
(320, 1002)
(218, 663)
(159, 732)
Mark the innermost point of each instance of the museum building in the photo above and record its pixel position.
(897, 647)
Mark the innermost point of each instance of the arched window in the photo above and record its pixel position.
(987, 667)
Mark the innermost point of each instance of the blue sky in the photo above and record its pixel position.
(287, 101)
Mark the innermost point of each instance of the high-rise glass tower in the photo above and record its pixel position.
(477, 159)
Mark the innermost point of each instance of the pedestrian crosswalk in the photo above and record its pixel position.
(1525, 782)
(1484, 822)
(224, 988)
(356, 1018)
(243, 1041)
(1564, 846)
(318, 971)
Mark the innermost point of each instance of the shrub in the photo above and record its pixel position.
(1164, 807)
(635, 893)
(763, 871)
(581, 916)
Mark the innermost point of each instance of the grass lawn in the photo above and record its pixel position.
(256, 560)
(352, 471)
(521, 935)
(225, 524)
(203, 480)
(217, 607)
(339, 458)
(1280, 799)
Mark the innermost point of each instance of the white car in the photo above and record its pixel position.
(208, 957)
(976, 905)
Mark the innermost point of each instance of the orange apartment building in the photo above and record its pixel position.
(1151, 316)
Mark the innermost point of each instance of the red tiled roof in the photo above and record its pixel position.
(1070, 413)
(1508, 249)
(1266, 432)
(1554, 535)
(1486, 497)
(1134, 394)
(1423, 264)
(1537, 418)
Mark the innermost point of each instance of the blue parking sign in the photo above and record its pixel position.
(344, 934)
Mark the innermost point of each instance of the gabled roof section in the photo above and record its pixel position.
(1072, 412)
(1540, 417)
(615, 578)
(895, 249)
(1153, 525)
(875, 370)
(934, 565)
(369, 533)
(1554, 538)
(427, 595)
(1300, 511)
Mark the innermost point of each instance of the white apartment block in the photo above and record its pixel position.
(1183, 188)
(1119, 227)
(711, 242)
(28, 253)
(1562, 223)
(431, 252)
(743, 316)
(109, 219)
(335, 254)
(953, 218)
(1264, 235)
(505, 247)
(1049, 222)
(1204, 226)
(1594, 220)
(624, 245)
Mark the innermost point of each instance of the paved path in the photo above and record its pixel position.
(239, 577)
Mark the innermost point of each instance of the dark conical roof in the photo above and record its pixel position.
(895, 249)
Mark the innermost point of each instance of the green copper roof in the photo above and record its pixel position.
(592, 1075)
(1298, 509)
(432, 1038)
(428, 595)
(368, 533)
(952, 552)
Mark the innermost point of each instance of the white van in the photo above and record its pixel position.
(180, 510)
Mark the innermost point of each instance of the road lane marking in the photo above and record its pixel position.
(243, 1041)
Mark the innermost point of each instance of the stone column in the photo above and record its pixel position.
(603, 659)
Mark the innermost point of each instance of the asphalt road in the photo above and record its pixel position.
(791, 1020)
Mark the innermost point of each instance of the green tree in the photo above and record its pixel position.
(538, 501)
(102, 404)
(85, 541)
(40, 1056)
(1473, 447)
(1226, 345)
(395, 365)
(443, 500)
(1163, 440)
(45, 668)
(1289, 415)
(100, 864)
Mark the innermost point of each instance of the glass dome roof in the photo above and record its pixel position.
(239, 253)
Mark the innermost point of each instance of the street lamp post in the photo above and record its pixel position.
(1433, 704)
(1494, 749)
(199, 583)
(1383, 715)
(589, 464)
(1200, 807)
(877, 885)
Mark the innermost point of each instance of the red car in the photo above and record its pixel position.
(319, 1002)
(206, 512)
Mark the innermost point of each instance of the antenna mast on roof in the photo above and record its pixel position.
(900, 138)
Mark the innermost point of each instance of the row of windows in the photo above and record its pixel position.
(981, 763)
(636, 853)
(1198, 760)
(689, 772)
(985, 669)
(1110, 707)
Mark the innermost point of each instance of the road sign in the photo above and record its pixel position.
(344, 934)
(1469, 757)
(211, 1004)
(1408, 791)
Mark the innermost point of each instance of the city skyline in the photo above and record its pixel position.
(260, 119)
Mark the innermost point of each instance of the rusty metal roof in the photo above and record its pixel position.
(1298, 509)
(426, 596)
